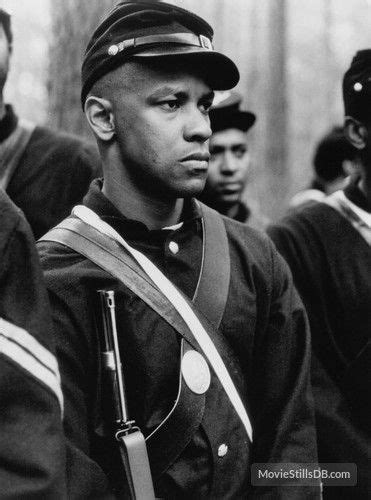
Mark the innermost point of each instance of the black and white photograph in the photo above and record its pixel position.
(185, 261)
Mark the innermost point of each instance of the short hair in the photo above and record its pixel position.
(5, 21)
(330, 153)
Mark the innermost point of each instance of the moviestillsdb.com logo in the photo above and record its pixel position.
(305, 474)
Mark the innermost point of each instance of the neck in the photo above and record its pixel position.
(154, 213)
(364, 185)
(232, 210)
(223, 208)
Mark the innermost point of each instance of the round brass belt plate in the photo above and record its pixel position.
(196, 372)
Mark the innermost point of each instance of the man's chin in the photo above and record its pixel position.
(192, 189)
(228, 200)
(187, 190)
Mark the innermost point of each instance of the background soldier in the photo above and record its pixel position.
(44, 172)
(327, 246)
(333, 163)
(148, 77)
(230, 159)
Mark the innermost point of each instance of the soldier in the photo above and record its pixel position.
(32, 452)
(333, 163)
(44, 172)
(229, 165)
(213, 339)
(327, 246)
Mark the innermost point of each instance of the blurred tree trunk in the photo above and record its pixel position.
(276, 168)
(330, 71)
(73, 22)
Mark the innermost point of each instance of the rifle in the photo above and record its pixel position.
(133, 450)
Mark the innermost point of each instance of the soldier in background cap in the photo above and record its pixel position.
(147, 85)
(44, 172)
(327, 246)
(333, 163)
(229, 165)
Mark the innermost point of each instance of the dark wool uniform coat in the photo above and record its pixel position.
(31, 436)
(250, 217)
(331, 265)
(263, 339)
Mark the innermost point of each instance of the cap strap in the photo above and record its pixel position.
(180, 38)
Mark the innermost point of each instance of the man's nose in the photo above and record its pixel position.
(229, 163)
(197, 127)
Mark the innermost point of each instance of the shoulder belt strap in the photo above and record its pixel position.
(213, 287)
(198, 327)
(107, 254)
(12, 149)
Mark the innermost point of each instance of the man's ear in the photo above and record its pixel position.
(99, 114)
(356, 132)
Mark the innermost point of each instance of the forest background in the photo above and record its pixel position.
(291, 55)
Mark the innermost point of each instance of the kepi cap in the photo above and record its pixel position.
(357, 86)
(156, 30)
(225, 113)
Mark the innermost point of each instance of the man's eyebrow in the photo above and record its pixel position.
(166, 90)
(178, 91)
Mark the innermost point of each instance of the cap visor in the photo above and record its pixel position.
(220, 72)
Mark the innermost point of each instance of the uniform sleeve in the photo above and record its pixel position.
(283, 409)
(32, 451)
(298, 245)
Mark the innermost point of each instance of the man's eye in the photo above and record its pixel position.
(171, 104)
(215, 151)
(205, 106)
(240, 151)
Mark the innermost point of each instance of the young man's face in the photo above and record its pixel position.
(162, 128)
(228, 168)
(4, 57)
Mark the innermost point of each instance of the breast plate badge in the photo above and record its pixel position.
(196, 372)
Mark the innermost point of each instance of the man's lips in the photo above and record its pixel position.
(231, 187)
(197, 157)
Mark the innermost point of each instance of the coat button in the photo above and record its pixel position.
(222, 450)
(173, 247)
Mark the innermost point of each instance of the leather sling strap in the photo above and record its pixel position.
(213, 287)
(12, 149)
